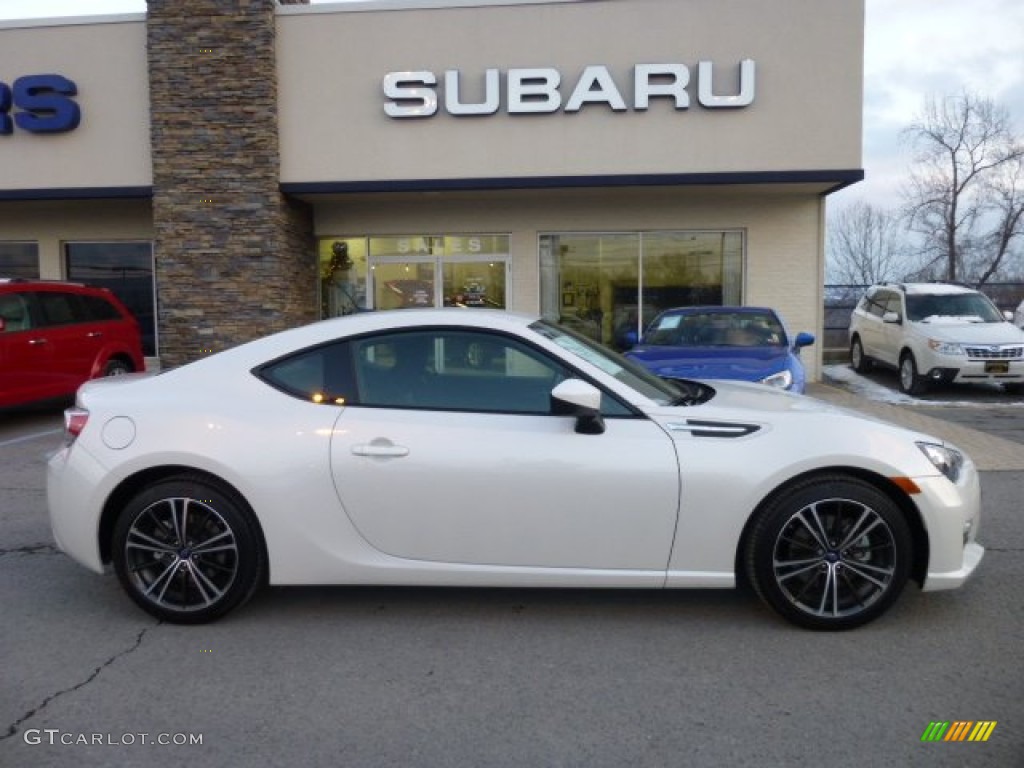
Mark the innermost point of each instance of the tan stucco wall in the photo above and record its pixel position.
(783, 234)
(806, 115)
(107, 62)
(53, 223)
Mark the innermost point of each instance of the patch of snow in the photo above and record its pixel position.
(844, 377)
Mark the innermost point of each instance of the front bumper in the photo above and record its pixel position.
(963, 370)
(952, 518)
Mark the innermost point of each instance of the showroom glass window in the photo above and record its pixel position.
(126, 268)
(597, 283)
(412, 272)
(19, 260)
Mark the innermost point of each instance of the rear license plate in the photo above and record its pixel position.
(997, 367)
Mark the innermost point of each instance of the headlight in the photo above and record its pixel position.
(945, 347)
(780, 380)
(947, 460)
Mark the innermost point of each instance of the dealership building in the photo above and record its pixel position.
(236, 167)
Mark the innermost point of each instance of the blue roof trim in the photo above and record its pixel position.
(77, 193)
(838, 179)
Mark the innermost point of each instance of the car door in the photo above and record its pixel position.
(74, 338)
(870, 326)
(453, 456)
(26, 358)
(892, 333)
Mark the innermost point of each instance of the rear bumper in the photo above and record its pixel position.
(70, 475)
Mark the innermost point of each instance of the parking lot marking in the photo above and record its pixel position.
(26, 438)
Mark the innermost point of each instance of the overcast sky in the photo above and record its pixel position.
(913, 48)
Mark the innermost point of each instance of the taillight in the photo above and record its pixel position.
(75, 420)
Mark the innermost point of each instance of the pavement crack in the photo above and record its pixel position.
(12, 729)
(31, 549)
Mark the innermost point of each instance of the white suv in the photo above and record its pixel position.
(934, 332)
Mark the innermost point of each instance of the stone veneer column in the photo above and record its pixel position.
(235, 259)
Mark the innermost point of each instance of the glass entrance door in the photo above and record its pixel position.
(413, 272)
(404, 285)
(479, 284)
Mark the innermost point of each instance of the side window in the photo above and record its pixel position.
(59, 308)
(14, 311)
(894, 303)
(320, 375)
(876, 303)
(451, 369)
(98, 309)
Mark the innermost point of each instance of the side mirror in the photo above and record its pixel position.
(574, 397)
(803, 339)
(630, 339)
(1007, 316)
(3, 324)
(891, 317)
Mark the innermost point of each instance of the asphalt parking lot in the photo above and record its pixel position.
(431, 677)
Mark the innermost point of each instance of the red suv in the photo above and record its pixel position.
(54, 336)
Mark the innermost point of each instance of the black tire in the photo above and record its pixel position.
(860, 362)
(117, 367)
(188, 551)
(830, 553)
(911, 383)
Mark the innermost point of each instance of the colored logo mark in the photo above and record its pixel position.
(959, 730)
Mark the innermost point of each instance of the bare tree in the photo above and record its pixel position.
(864, 245)
(1006, 191)
(968, 170)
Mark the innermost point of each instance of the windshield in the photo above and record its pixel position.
(632, 375)
(716, 329)
(958, 307)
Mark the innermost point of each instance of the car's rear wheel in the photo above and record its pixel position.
(830, 553)
(860, 362)
(188, 551)
(910, 382)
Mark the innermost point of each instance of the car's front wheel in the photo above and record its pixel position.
(831, 553)
(910, 382)
(187, 550)
(860, 362)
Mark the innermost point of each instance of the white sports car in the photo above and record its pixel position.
(479, 448)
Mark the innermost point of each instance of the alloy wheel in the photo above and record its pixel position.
(834, 558)
(181, 555)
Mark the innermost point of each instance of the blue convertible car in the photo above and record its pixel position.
(745, 343)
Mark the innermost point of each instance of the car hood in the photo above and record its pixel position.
(769, 407)
(745, 364)
(965, 332)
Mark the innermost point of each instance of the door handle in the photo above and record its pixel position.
(37, 342)
(380, 450)
(94, 334)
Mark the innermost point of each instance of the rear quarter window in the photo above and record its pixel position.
(98, 309)
(319, 375)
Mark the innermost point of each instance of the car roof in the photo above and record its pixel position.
(325, 331)
(930, 289)
(715, 309)
(27, 282)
